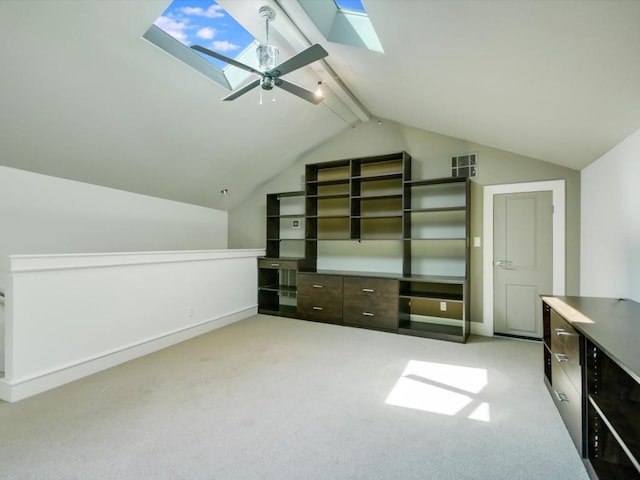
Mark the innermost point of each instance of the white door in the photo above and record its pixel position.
(522, 261)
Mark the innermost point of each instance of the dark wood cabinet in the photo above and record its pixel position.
(565, 347)
(370, 302)
(320, 297)
(592, 371)
(277, 286)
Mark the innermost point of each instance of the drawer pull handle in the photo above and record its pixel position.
(562, 332)
(367, 314)
(562, 357)
(317, 308)
(561, 396)
(315, 285)
(275, 264)
(368, 290)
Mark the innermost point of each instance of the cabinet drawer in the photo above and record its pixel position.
(277, 263)
(321, 308)
(371, 302)
(369, 289)
(565, 348)
(312, 285)
(569, 404)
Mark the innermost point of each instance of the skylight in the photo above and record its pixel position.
(350, 5)
(203, 22)
(343, 21)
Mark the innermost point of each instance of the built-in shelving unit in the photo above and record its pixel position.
(613, 415)
(278, 271)
(366, 212)
(435, 296)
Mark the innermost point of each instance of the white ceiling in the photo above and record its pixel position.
(84, 96)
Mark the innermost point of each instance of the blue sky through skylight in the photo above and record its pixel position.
(350, 5)
(204, 22)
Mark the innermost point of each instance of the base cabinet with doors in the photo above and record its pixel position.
(592, 371)
(373, 248)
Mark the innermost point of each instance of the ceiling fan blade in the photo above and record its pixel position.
(303, 93)
(305, 57)
(228, 60)
(242, 91)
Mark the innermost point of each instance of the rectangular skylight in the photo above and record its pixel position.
(343, 21)
(355, 5)
(204, 22)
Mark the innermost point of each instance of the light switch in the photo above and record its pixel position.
(476, 242)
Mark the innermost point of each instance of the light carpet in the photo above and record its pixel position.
(277, 398)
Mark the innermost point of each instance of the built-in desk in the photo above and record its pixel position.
(592, 370)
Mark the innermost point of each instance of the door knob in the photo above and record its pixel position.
(502, 263)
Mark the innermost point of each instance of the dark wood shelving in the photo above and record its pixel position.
(373, 217)
(431, 330)
(292, 215)
(606, 373)
(450, 297)
(329, 196)
(378, 197)
(284, 311)
(279, 288)
(435, 210)
(368, 200)
(444, 279)
(374, 178)
(337, 181)
(444, 239)
(433, 181)
(623, 422)
(613, 471)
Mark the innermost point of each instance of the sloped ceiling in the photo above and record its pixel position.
(84, 96)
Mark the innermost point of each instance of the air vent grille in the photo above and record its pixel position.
(464, 165)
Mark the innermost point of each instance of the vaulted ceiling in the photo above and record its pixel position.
(84, 96)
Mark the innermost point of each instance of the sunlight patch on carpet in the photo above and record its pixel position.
(441, 388)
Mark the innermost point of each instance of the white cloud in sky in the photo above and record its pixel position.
(214, 11)
(206, 32)
(224, 45)
(174, 28)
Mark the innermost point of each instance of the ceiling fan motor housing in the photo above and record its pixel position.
(267, 83)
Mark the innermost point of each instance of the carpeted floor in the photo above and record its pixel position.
(276, 398)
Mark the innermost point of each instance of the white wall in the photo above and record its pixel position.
(610, 224)
(40, 214)
(43, 214)
(68, 316)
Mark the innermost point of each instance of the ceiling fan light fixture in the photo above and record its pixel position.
(267, 57)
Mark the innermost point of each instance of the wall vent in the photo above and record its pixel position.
(464, 165)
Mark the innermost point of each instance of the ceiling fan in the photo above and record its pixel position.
(269, 71)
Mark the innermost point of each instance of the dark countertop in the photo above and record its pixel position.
(612, 324)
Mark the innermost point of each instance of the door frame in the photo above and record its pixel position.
(557, 188)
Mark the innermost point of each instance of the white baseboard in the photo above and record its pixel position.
(19, 390)
(482, 329)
